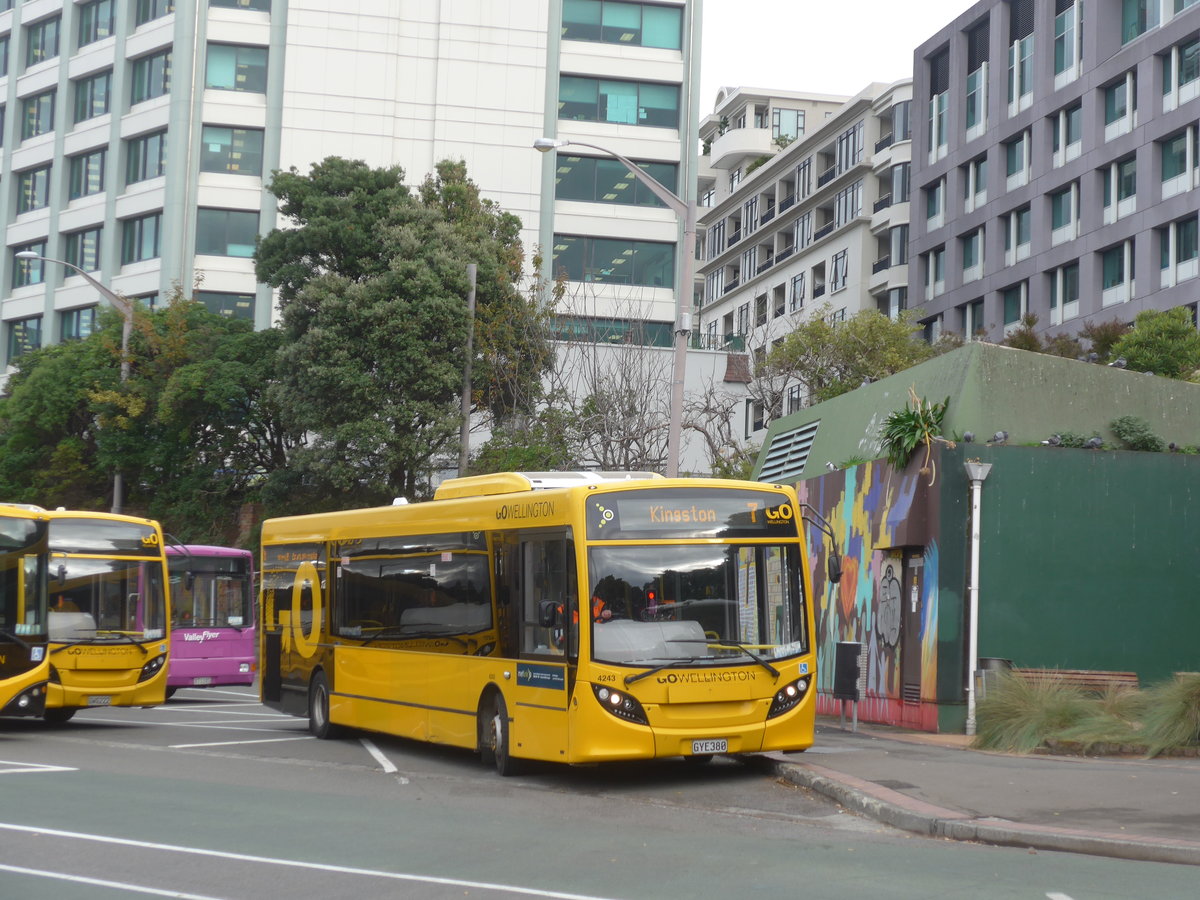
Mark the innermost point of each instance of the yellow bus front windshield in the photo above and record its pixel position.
(105, 599)
(696, 604)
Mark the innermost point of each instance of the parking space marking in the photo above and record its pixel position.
(25, 768)
(301, 864)
(383, 761)
(302, 737)
(100, 882)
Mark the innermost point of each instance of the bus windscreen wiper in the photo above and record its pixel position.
(5, 633)
(630, 679)
(725, 642)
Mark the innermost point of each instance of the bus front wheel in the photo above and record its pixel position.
(318, 708)
(494, 736)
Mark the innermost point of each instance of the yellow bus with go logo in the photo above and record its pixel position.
(568, 617)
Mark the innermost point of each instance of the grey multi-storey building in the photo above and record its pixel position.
(1055, 165)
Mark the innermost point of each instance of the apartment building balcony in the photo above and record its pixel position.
(884, 142)
(735, 146)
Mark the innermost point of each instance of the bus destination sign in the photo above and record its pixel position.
(690, 512)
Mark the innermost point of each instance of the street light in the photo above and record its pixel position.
(683, 290)
(977, 473)
(126, 309)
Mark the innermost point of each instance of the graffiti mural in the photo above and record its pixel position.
(871, 510)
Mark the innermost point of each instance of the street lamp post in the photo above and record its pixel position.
(977, 473)
(126, 309)
(683, 291)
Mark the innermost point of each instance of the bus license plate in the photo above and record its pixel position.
(99, 701)
(202, 680)
(719, 745)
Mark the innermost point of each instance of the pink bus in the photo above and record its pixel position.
(212, 616)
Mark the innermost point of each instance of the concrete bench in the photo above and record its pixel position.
(1084, 679)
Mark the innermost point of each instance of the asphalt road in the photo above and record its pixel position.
(212, 796)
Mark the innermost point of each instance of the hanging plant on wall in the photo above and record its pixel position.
(918, 425)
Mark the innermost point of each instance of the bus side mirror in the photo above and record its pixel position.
(835, 567)
(62, 574)
(547, 614)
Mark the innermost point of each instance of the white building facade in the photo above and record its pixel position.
(824, 220)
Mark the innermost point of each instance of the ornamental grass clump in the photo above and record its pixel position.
(1019, 714)
(1112, 719)
(1172, 716)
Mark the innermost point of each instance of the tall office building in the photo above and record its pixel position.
(1055, 165)
(138, 137)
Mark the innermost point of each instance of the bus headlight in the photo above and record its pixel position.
(152, 668)
(620, 704)
(787, 697)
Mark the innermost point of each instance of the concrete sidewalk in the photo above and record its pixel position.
(934, 785)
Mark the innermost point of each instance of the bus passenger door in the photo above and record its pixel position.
(546, 608)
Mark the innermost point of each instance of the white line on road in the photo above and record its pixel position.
(23, 767)
(302, 737)
(1057, 896)
(378, 754)
(100, 882)
(299, 864)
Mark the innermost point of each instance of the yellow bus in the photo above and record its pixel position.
(24, 665)
(573, 617)
(109, 639)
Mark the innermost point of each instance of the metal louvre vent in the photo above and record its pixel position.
(788, 454)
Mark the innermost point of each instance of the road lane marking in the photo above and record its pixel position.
(302, 737)
(24, 767)
(100, 882)
(301, 864)
(379, 757)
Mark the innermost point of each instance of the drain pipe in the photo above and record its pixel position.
(977, 472)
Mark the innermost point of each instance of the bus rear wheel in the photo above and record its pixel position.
(494, 737)
(58, 715)
(318, 708)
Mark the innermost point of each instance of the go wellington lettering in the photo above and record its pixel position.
(528, 509)
(150, 540)
(706, 677)
(774, 514)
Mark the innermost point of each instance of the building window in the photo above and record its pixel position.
(260, 5)
(975, 184)
(1181, 74)
(1017, 161)
(1068, 43)
(1116, 273)
(614, 261)
(37, 115)
(796, 295)
(939, 92)
(976, 102)
(897, 245)
(804, 178)
(1138, 17)
(1178, 251)
(95, 21)
(149, 10)
(41, 41)
(1017, 234)
(83, 249)
(1064, 293)
(1064, 214)
(847, 204)
(901, 173)
(802, 230)
(935, 205)
(140, 238)
(4, 54)
(594, 180)
(29, 271)
(629, 24)
(34, 191)
(235, 150)
(234, 306)
(77, 324)
(87, 174)
(1123, 200)
(1120, 106)
(24, 336)
(91, 96)
(236, 68)
(1066, 134)
(849, 148)
(839, 271)
(619, 102)
(1178, 160)
(787, 123)
(1020, 55)
(151, 77)
(226, 232)
(146, 157)
(935, 272)
(972, 255)
(1015, 303)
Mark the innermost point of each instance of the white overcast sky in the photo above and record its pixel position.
(830, 47)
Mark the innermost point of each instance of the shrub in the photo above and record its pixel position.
(1135, 433)
(1172, 717)
(1020, 714)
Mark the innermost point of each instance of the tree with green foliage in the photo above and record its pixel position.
(830, 358)
(1164, 342)
(374, 315)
